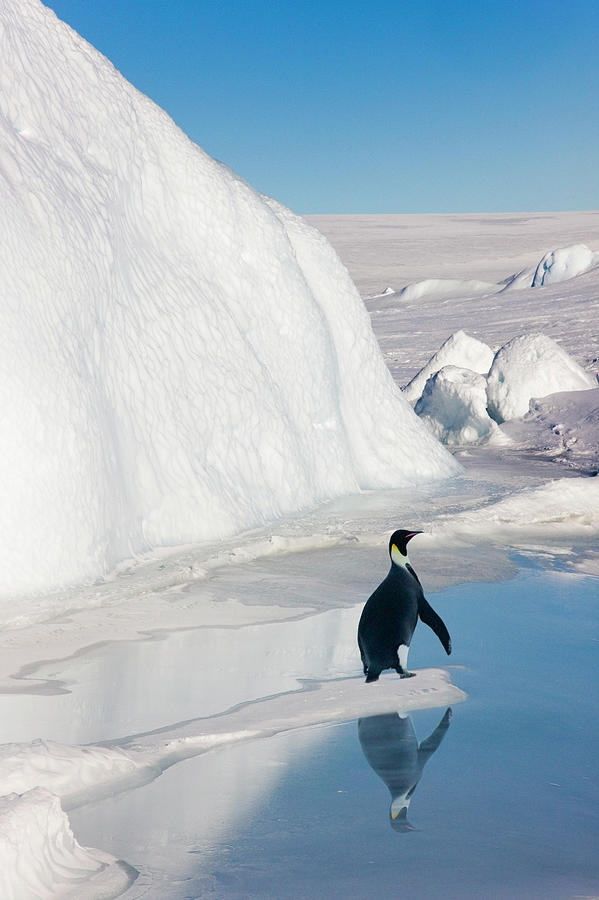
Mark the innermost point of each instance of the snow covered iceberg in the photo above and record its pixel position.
(460, 349)
(181, 357)
(555, 266)
(563, 264)
(529, 366)
(462, 404)
(454, 406)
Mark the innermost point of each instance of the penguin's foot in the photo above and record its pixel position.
(407, 674)
(372, 676)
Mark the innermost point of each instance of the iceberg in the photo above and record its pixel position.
(454, 407)
(460, 349)
(182, 358)
(530, 366)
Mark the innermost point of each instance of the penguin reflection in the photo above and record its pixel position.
(391, 747)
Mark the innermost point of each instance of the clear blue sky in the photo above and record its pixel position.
(349, 107)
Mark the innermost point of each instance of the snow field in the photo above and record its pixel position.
(554, 267)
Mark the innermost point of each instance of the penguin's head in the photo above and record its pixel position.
(398, 545)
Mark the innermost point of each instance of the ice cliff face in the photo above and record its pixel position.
(181, 358)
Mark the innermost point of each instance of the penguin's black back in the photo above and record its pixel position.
(389, 618)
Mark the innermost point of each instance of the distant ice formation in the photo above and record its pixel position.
(528, 366)
(181, 358)
(454, 406)
(563, 264)
(460, 349)
(442, 288)
(462, 406)
(555, 266)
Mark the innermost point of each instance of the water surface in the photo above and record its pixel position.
(506, 805)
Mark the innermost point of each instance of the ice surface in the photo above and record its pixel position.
(566, 507)
(79, 773)
(40, 858)
(532, 365)
(460, 349)
(565, 425)
(454, 406)
(181, 358)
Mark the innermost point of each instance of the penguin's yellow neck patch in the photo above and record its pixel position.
(398, 558)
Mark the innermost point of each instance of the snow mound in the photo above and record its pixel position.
(61, 769)
(531, 365)
(453, 405)
(445, 288)
(181, 358)
(40, 858)
(557, 265)
(563, 264)
(460, 349)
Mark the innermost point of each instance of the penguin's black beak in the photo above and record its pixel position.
(412, 534)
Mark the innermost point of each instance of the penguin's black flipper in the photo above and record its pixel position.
(430, 618)
(428, 746)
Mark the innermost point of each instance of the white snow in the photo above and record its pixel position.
(61, 770)
(397, 250)
(40, 858)
(460, 349)
(444, 288)
(566, 508)
(555, 266)
(564, 425)
(531, 365)
(462, 407)
(181, 358)
(453, 405)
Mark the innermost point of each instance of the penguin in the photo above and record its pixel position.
(391, 748)
(390, 615)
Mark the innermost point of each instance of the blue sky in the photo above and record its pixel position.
(374, 107)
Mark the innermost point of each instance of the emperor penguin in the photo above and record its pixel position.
(391, 613)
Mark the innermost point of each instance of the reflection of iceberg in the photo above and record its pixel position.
(391, 747)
